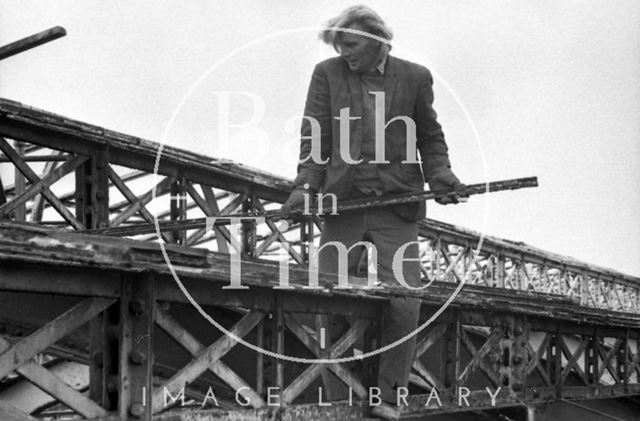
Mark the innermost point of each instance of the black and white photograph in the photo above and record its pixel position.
(296, 210)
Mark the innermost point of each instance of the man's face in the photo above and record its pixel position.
(360, 52)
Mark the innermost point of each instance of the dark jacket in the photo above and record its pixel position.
(408, 92)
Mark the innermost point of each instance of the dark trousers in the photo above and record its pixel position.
(387, 232)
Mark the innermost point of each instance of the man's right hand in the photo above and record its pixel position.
(450, 189)
(295, 201)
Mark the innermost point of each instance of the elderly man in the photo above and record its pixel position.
(382, 106)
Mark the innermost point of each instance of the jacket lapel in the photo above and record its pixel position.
(355, 94)
(390, 82)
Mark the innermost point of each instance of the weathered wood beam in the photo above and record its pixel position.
(31, 41)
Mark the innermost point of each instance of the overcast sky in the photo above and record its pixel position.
(551, 88)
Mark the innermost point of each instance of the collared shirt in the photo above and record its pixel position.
(382, 63)
(366, 177)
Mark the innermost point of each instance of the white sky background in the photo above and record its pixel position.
(553, 88)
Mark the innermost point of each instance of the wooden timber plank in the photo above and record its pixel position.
(206, 357)
(52, 332)
(194, 347)
(55, 387)
(31, 41)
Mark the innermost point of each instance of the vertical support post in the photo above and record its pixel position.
(531, 413)
(519, 353)
(278, 337)
(596, 356)
(3, 197)
(92, 190)
(500, 270)
(20, 185)
(92, 210)
(105, 381)
(591, 359)
(260, 358)
(304, 240)
(310, 238)
(524, 279)
(136, 346)
(372, 337)
(97, 369)
(437, 258)
(451, 353)
(623, 360)
(557, 361)
(584, 289)
(249, 239)
(178, 208)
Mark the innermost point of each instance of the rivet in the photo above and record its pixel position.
(137, 357)
(97, 358)
(136, 307)
(136, 410)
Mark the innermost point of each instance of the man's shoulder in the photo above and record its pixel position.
(407, 66)
(333, 63)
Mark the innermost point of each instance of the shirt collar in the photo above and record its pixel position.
(382, 63)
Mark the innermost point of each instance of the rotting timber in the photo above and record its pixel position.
(538, 327)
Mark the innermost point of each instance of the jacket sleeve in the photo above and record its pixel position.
(430, 138)
(315, 133)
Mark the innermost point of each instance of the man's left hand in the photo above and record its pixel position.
(448, 187)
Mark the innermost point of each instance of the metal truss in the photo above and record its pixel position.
(529, 326)
(107, 178)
